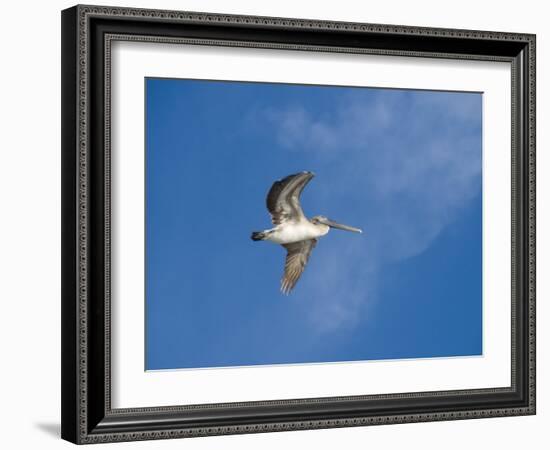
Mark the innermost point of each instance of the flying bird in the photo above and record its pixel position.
(293, 230)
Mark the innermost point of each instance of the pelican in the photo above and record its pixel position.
(293, 230)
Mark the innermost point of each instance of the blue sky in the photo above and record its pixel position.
(403, 165)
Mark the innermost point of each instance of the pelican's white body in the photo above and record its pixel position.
(289, 232)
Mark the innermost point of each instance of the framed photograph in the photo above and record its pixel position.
(278, 224)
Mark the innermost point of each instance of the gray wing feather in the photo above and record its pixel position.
(283, 199)
(296, 259)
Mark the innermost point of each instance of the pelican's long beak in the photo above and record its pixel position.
(341, 226)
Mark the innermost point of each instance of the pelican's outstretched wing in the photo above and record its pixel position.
(296, 259)
(283, 199)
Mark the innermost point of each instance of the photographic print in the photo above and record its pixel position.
(276, 224)
(300, 224)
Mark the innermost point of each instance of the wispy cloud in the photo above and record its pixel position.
(413, 157)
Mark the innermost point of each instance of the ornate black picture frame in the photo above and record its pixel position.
(87, 415)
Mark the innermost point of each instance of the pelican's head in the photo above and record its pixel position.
(326, 223)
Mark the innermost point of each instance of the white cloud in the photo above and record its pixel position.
(416, 158)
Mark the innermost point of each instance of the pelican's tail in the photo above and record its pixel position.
(258, 235)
